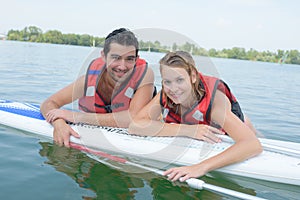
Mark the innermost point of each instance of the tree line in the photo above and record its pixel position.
(35, 34)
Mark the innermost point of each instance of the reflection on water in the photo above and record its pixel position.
(108, 183)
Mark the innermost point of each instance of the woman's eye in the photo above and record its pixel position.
(180, 80)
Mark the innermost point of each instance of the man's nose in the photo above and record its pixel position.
(122, 63)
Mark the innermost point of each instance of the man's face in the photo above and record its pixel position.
(120, 61)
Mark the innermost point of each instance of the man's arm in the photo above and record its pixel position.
(64, 96)
(62, 131)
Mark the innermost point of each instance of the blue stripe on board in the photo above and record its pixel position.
(33, 106)
(5, 101)
(36, 114)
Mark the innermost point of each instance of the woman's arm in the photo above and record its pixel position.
(246, 143)
(147, 123)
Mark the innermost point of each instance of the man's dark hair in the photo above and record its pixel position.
(120, 36)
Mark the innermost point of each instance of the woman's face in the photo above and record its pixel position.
(177, 84)
(120, 61)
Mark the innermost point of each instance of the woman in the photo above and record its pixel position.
(196, 106)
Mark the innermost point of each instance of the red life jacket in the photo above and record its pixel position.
(200, 111)
(93, 101)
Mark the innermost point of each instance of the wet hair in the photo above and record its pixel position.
(120, 36)
(182, 59)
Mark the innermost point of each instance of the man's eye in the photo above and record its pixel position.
(167, 82)
(116, 57)
(130, 59)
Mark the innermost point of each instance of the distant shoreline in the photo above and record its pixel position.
(35, 34)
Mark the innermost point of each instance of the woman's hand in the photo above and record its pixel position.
(186, 172)
(207, 133)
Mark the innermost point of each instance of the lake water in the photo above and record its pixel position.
(33, 168)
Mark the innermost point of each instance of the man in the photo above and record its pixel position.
(115, 87)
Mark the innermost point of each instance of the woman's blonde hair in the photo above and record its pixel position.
(182, 59)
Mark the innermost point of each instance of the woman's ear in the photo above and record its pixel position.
(194, 76)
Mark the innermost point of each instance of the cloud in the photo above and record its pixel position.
(224, 23)
(250, 2)
(259, 26)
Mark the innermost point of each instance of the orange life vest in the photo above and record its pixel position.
(93, 101)
(200, 111)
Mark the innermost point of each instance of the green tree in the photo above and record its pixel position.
(85, 40)
(99, 42)
(53, 36)
(213, 52)
(294, 57)
(186, 47)
(71, 39)
(200, 51)
(13, 35)
(174, 47)
(252, 55)
(237, 53)
(34, 33)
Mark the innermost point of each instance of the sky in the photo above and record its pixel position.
(258, 24)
